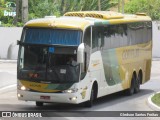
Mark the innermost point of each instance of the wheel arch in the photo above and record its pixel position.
(134, 73)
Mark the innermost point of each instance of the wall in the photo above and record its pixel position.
(8, 39)
(156, 39)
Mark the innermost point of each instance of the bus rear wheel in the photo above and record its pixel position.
(130, 91)
(39, 104)
(137, 84)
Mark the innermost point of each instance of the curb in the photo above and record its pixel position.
(155, 59)
(8, 61)
(2, 89)
(151, 104)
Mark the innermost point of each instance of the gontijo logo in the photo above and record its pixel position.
(11, 9)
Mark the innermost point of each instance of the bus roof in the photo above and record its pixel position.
(80, 20)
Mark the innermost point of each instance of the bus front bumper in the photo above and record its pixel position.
(72, 98)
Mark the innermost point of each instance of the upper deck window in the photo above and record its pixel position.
(52, 36)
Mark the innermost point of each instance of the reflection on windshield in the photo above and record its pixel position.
(35, 58)
(52, 36)
(53, 64)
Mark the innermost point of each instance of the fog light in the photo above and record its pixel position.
(19, 95)
(73, 98)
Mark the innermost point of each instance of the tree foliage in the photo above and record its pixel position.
(151, 7)
(41, 8)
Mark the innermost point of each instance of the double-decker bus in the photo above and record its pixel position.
(82, 56)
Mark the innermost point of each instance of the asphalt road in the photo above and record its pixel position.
(114, 102)
(8, 72)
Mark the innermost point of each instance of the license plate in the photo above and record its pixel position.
(45, 97)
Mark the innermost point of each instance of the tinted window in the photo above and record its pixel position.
(113, 36)
(97, 38)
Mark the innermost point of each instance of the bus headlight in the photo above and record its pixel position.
(23, 88)
(70, 91)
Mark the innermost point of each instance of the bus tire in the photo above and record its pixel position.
(89, 103)
(137, 84)
(130, 91)
(39, 104)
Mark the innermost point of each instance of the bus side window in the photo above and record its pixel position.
(107, 38)
(97, 38)
(132, 34)
(123, 35)
(111, 37)
(94, 39)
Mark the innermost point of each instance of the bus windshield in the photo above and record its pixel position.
(48, 62)
(52, 36)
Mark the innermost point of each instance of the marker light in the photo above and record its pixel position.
(70, 91)
(19, 95)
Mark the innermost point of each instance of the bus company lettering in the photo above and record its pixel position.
(130, 54)
(35, 85)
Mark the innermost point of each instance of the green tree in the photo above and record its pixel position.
(151, 7)
(41, 8)
(85, 5)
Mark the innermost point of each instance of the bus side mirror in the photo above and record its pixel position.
(80, 53)
(18, 42)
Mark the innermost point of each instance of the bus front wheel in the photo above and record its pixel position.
(39, 104)
(89, 103)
